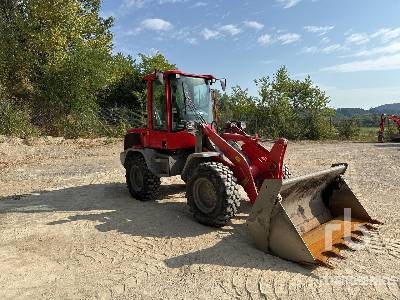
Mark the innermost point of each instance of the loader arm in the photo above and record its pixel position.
(395, 119)
(254, 164)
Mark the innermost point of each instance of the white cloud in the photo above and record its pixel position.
(357, 38)
(331, 48)
(387, 34)
(156, 24)
(311, 50)
(388, 49)
(265, 39)
(192, 41)
(391, 62)
(320, 30)
(230, 29)
(325, 40)
(126, 4)
(170, 1)
(199, 4)
(289, 38)
(254, 25)
(288, 3)
(209, 34)
(326, 50)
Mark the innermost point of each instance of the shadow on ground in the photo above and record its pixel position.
(388, 145)
(111, 208)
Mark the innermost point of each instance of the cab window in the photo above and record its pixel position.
(159, 106)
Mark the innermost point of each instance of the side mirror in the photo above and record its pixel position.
(160, 77)
(223, 84)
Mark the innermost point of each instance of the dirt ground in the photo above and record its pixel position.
(69, 229)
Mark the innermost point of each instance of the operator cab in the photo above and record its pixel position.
(191, 101)
(176, 101)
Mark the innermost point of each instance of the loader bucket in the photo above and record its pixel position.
(308, 219)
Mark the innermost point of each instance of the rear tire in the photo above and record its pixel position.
(142, 184)
(212, 194)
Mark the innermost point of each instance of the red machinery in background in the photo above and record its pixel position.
(385, 120)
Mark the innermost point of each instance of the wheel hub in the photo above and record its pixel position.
(136, 177)
(204, 194)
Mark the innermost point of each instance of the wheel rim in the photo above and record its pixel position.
(204, 195)
(136, 178)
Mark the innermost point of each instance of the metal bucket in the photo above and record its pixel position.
(308, 219)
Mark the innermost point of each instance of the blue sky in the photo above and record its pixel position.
(350, 48)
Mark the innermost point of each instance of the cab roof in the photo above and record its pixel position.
(152, 76)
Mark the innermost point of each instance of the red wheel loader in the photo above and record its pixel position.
(290, 218)
(385, 120)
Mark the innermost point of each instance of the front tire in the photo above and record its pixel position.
(212, 194)
(142, 184)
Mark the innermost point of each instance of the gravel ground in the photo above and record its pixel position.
(69, 229)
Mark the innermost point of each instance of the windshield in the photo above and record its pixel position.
(197, 104)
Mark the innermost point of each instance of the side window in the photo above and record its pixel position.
(178, 106)
(159, 106)
(144, 108)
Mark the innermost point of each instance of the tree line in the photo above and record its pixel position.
(59, 76)
(58, 73)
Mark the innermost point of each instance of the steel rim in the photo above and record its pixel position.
(204, 194)
(136, 177)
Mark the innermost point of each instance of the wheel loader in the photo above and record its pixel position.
(305, 219)
(385, 120)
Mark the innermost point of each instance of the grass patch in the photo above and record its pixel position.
(367, 134)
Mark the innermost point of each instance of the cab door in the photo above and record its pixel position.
(157, 135)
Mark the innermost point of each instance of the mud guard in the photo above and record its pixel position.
(194, 159)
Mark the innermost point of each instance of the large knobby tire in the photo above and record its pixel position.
(143, 185)
(212, 194)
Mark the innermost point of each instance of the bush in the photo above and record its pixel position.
(348, 129)
(77, 125)
(15, 120)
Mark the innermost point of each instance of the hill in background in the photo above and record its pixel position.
(393, 108)
(368, 117)
(387, 109)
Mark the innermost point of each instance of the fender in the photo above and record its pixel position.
(194, 159)
(160, 164)
(148, 155)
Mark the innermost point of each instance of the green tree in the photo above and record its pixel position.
(128, 88)
(292, 108)
(149, 63)
(275, 110)
(56, 56)
(348, 128)
(243, 107)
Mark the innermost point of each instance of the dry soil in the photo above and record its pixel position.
(69, 229)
